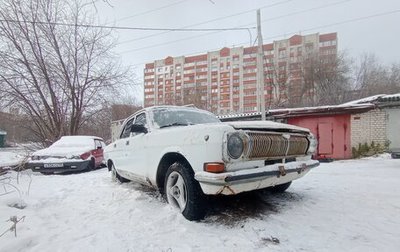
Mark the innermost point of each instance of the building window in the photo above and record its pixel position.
(282, 54)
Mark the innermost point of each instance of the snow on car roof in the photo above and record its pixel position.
(69, 141)
(80, 137)
(148, 109)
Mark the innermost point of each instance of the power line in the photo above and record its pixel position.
(354, 20)
(152, 10)
(126, 27)
(284, 34)
(168, 42)
(334, 24)
(210, 21)
(211, 33)
(303, 11)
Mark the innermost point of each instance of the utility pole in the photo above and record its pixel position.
(260, 69)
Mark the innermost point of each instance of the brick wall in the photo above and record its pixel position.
(368, 127)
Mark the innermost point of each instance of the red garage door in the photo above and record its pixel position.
(325, 140)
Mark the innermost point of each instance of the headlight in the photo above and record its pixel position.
(313, 144)
(35, 157)
(235, 146)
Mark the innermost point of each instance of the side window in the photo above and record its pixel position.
(98, 144)
(127, 129)
(141, 119)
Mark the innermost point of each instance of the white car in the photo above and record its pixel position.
(188, 153)
(69, 153)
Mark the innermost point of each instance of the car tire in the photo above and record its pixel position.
(184, 192)
(92, 165)
(279, 188)
(116, 177)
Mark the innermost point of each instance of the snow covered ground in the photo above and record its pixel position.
(12, 156)
(349, 205)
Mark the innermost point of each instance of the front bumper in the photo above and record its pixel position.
(229, 183)
(57, 168)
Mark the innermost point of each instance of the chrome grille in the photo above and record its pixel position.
(269, 145)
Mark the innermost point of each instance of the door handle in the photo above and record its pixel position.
(127, 142)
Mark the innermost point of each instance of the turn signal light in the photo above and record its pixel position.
(214, 167)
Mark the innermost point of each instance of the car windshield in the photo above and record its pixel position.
(167, 117)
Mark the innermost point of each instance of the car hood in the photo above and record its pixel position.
(266, 125)
(61, 151)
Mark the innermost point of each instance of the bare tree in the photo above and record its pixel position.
(394, 78)
(371, 77)
(194, 96)
(325, 80)
(58, 71)
(122, 111)
(278, 80)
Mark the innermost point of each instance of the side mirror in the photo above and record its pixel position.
(138, 128)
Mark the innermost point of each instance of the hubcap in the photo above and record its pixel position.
(176, 190)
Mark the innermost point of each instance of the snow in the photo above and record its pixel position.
(67, 152)
(12, 156)
(364, 100)
(75, 141)
(69, 146)
(391, 96)
(348, 205)
(349, 105)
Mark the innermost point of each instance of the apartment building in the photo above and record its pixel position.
(225, 81)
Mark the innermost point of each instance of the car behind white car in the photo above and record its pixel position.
(69, 153)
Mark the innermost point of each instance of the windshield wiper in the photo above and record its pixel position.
(175, 124)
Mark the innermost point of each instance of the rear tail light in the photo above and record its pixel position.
(214, 167)
(85, 155)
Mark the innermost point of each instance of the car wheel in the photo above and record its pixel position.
(92, 165)
(116, 177)
(279, 188)
(184, 192)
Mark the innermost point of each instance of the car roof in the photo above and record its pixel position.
(190, 107)
(82, 137)
(147, 109)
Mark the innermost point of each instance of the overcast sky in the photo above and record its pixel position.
(363, 26)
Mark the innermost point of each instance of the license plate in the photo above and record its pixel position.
(54, 165)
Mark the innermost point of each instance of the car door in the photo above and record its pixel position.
(136, 151)
(117, 151)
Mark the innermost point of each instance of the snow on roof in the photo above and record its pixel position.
(364, 100)
(287, 111)
(390, 98)
(364, 103)
(392, 95)
(240, 115)
(2, 132)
